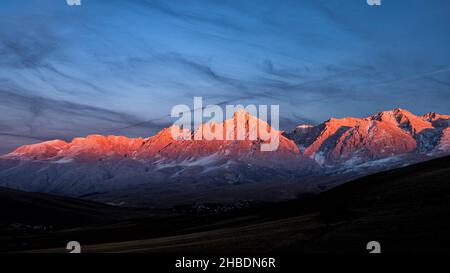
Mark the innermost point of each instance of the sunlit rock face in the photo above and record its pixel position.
(382, 135)
(350, 146)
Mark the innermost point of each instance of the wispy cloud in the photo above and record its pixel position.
(118, 67)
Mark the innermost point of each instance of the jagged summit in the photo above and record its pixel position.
(433, 117)
(196, 143)
(106, 163)
(383, 134)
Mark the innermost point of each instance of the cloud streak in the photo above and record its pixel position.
(120, 66)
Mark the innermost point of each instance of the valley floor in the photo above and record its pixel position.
(405, 209)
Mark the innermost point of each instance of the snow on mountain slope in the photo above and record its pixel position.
(165, 147)
(444, 140)
(382, 135)
(91, 148)
(105, 164)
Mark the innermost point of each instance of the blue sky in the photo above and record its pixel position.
(118, 67)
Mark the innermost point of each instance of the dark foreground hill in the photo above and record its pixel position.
(406, 210)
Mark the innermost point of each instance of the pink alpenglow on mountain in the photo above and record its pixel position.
(343, 146)
(163, 146)
(91, 148)
(382, 135)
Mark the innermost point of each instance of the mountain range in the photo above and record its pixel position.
(121, 170)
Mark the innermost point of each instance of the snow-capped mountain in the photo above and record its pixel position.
(163, 148)
(97, 164)
(107, 163)
(383, 135)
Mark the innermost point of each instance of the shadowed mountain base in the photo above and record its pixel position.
(405, 209)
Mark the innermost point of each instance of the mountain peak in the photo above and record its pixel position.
(433, 116)
(239, 113)
(400, 111)
(394, 113)
(338, 122)
(403, 119)
(344, 137)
